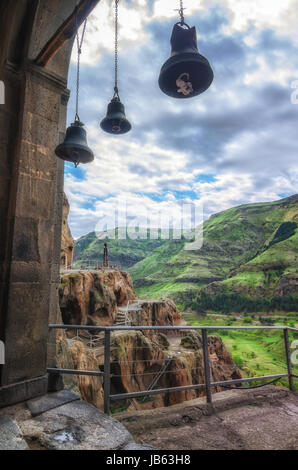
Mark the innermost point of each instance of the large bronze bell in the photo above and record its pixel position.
(74, 148)
(115, 121)
(186, 73)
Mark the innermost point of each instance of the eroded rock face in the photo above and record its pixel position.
(162, 312)
(67, 242)
(137, 359)
(90, 387)
(93, 298)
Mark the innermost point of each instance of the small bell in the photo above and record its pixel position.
(115, 121)
(186, 73)
(74, 148)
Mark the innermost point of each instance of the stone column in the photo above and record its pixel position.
(30, 273)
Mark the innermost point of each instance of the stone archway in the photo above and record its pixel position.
(32, 121)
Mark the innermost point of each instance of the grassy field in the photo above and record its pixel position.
(256, 352)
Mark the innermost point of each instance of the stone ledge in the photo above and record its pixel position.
(50, 401)
(23, 391)
(76, 426)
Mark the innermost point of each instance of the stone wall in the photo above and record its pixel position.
(32, 123)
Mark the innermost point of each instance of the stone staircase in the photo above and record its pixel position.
(120, 318)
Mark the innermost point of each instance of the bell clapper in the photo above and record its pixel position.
(184, 86)
(116, 127)
(116, 124)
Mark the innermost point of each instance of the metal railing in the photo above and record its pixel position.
(90, 265)
(207, 386)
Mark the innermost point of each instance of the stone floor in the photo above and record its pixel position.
(264, 419)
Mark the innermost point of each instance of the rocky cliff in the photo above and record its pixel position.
(162, 312)
(92, 298)
(137, 360)
(67, 242)
(88, 298)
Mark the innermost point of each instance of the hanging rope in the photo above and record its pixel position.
(79, 47)
(116, 91)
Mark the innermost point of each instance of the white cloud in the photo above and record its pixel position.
(265, 72)
(251, 165)
(124, 165)
(275, 14)
(137, 210)
(100, 35)
(233, 189)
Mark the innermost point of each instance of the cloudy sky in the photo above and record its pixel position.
(236, 143)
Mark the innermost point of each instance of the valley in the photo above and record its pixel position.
(255, 352)
(245, 273)
(248, 261)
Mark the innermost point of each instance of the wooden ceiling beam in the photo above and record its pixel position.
(66, 31)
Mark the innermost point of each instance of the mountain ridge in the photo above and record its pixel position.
(248, 251)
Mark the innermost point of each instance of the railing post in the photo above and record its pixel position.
(107, 372)
(206, 366)
(288, 356)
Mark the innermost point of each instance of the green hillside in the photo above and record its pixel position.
(124, 253)
(248, 260)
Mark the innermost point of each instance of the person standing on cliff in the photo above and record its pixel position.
(105, 256)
